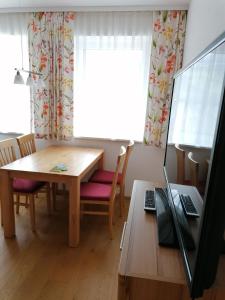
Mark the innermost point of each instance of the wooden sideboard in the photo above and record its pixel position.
(148, 271)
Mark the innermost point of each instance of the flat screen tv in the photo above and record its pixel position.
(197, 121)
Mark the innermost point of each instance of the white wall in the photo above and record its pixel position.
(206, 21)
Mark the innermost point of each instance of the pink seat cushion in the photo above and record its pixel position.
(103, 176)
(26, 185)
(95, 191)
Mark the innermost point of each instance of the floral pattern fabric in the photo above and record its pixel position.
(51, 44)
(166, 59)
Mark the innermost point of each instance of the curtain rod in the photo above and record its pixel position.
(95, 8)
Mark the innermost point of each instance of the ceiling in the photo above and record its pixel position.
(34, 5)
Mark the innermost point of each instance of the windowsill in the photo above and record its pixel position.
(11, 134)
(105, 139)
(16, 134)
(190, 146)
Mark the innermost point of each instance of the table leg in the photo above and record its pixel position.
(53, 195)
(101, 163)
(74, 212)
(7, 204)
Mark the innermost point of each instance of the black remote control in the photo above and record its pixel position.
(149, 204)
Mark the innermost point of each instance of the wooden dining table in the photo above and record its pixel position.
(38, 166)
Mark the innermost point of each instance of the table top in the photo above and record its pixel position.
(76, 159)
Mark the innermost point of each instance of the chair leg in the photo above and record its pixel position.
(1, 215)
(111, 221)
(122, 205)
(48, 199)
(81, 211)
(18, 203)
(54, 187)
(32, 212)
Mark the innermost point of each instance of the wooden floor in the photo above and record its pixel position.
(42, 266)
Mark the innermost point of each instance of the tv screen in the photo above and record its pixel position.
(197, 123)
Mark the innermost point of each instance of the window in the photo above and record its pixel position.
(15, 99)
(111, 78)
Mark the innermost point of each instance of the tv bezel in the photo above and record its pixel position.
(205, 269)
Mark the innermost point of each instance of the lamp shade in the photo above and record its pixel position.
(18, 78)
(29, 80)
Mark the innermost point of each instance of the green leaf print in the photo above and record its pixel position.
(165, 14)
(145, 141)
(159, 70)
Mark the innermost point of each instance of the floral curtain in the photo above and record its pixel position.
(166, 59)
(51, 53)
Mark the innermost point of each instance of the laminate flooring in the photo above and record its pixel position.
(40, 266)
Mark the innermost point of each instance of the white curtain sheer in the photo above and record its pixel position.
(15, 99)
(194, 114)
(112, 53)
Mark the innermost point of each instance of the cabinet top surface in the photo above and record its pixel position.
(141, 255)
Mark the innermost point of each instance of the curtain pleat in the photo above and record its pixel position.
(166, 59)
(51, 50)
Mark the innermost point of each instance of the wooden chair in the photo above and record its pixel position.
(101, 194)
(194, 173)
(194, 169)
(180, 153)
(26, 144)
(22, 187)
(105, 176)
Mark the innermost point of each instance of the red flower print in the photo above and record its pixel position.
(157, 25)
(34, 77)
(59, 109)
(164, 114)
(59, 59)
(161, 49)
(152, 78)
(45, 109)
(148, 126)
(42, 66)
(43, 59)
(174, 14)
(67, 69)
(71, 60)
(70, 16)
(170, 63)
(34, 27)
(40, 15)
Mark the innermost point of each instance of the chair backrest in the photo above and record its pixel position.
(7, 152)
(120, 161)
(194, 170)
(124, 168)
(180, 153)
(26, 144)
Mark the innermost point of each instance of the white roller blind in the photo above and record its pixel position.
(15, 99)
(112, 54)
